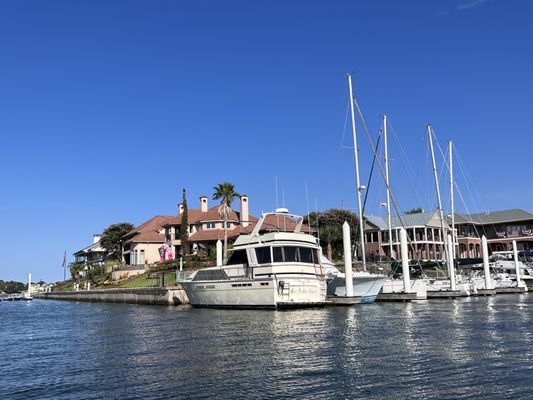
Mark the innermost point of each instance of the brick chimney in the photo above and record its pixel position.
(245, 213)
(180, 208)
(203, 203)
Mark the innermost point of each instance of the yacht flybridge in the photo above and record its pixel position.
(276, 266)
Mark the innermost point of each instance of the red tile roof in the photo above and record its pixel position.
(195, 216)
(205, 235)
(148, 231)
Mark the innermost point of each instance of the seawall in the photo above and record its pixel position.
(152, 296)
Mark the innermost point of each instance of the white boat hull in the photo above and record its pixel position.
(365, 286)
(418, 286)
(264, 293)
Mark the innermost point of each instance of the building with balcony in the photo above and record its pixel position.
(92, 254)
(423, 231)
(499, 227)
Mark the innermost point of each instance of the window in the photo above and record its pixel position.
(141, 258)
(278, 254)
(238, 257)
(211, 225)
(306, 255)
(263, 255)
(294, 254)
(291, 254)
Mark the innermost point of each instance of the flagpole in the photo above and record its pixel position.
(65, 266)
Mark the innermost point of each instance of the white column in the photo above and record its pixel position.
(450, 261)
(29, 285)
(181, 263)
(516, 265)
(405, 261)
(347, 259)
(219, 253)
(486, 270)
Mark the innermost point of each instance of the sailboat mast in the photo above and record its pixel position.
(450, 146)
(358, 182)
(385, 139)
(443, 231)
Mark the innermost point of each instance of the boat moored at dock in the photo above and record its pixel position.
(267, 269)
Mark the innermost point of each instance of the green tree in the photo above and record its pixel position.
(330, 234)
(184, 227)
(418, 210)
(330, 228)
(225, 191)
(111, 239)
(12, 286)
(75, 269)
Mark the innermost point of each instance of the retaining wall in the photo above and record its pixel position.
(154, 296)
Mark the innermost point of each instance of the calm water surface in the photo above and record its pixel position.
(460, 349)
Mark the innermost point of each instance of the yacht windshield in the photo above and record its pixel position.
(295, 254)
(238, 257)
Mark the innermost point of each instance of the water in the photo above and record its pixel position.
(460, 349)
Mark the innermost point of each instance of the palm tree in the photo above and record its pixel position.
(226, 192)
(330, 234)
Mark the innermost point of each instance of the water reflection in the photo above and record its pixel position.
(467, 348)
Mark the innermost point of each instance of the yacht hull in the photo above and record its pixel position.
(266, 293)
(366, 287)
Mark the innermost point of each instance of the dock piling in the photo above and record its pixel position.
(347, 259)
(405, 261)
(486, 270)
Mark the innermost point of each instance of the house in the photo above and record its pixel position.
(423, 232)
(142, 244)
(158, 238)
(92, 254)
(205, 226)
(499, 227)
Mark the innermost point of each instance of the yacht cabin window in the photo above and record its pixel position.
(263, 255)
(294, 254)
(238, 257)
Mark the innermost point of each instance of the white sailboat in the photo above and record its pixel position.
(364, 286)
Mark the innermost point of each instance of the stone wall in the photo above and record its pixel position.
(152, 296)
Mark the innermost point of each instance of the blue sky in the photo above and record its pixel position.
(109, 108)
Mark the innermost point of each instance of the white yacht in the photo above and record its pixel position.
(366, 286)
(267, 269)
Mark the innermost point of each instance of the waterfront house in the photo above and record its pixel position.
(92, 254)
(423, 230)
(142, 244)
(158, 238)
(499, 227)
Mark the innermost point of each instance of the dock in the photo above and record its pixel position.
(510, 290)
(484, 292)
(346, 301)
(396, 297)
(445, 294)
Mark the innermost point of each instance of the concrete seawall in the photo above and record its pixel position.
(153, 296)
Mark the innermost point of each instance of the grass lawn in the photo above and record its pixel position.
(145, 281)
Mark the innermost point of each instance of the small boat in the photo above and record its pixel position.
(366, 286)
(265, 270)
